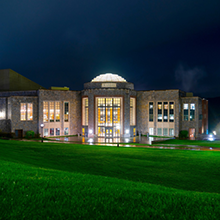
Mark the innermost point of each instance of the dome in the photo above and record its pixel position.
(108, 77)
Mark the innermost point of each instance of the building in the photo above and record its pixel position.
(108, 107)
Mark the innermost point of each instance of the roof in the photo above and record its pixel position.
(108, 77)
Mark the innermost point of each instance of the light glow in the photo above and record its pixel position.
(108, 77)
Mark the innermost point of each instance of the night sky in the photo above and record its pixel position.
(155, 44)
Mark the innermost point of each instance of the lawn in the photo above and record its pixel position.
(70, 181)
(191, 142)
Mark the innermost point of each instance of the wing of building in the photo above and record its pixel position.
(108, 107)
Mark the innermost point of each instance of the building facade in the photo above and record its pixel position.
(108, 107)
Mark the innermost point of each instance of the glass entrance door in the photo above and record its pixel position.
(108, 132)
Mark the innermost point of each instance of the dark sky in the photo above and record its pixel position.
(155, 44)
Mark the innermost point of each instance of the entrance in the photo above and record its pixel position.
(192, 132)
(108, 132)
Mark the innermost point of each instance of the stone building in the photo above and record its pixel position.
(108, 107)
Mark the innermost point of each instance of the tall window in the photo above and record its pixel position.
(26, 111)
(159, 131)
(132, 111)
(165, 111)
(192, 112)
(165, 132)
(85, 111)
(57, 111)
(159, 113)
(51, 111)
(45, 111)
(66, 111)
(185, 112)
(151, 111)
(171, 115)
(171, 132)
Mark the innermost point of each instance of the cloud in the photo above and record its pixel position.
(189, 77)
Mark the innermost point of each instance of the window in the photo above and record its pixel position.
(165, 132)
(151, 131)
(171, 132)
(165, 111)
(66, 131)
(66, 111)
(171, 115)
(151, 111)
(185, 112)
(85, 111)
(45, 111)
(45, 131)
(23, 111)
(159, 113)
(192, 112)
(132, 111)
(159, 131)
(57, 111)
(51, 131)
(200, 117)
(26, 111)
(57, 132)
(51, 111)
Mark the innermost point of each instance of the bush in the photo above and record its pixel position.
(183, 134)
(29, 134)
(7, 135)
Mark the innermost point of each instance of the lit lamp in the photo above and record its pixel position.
(42, 125)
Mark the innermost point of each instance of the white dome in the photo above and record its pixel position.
(108, 77)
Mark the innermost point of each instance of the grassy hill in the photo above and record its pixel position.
(65, 181)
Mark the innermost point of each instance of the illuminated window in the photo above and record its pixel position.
(2, 115)
(151, 111)
(26, 111)
(85, 111)
(57, 111)
(132, 111)
(51, 111)
(159, 113)
(29, 111)
(171, 115)
(165, 111)
(23, 111)
(192, 112)
(66, 111)
(151, 131)
(45, 111)
(185, 112)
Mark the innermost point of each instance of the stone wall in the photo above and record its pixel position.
(74, 99)
(5, 125)
(16, 123)
(143, 99)
(99, 85)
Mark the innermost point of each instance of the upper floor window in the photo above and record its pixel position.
(66, 111)
(85, 105)
(26, 111)
(51, 111)
(171, 113)
(165, 111)
(192, 111)
(151, 111)
(132, 111)
(185, 112)
(159, 113)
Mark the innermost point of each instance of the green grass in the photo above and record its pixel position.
(70, 181)
(192, 142)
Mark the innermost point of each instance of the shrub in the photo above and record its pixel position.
(29, 134)
(183, 134)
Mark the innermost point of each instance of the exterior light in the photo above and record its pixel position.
(90, 131)
(214, 132)
(127, 131)
(126, 140)
(42, 139)
(211, 138)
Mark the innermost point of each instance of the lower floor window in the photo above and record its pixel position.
(165, 132)
(45, 131)
(171, 132)
(57, 131)
(151, 131)
(51, 131)
(66, 131)
(159, 131)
